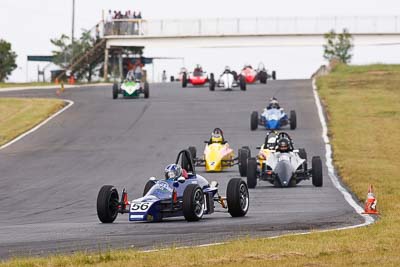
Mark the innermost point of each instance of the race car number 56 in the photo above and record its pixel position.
(140, 206)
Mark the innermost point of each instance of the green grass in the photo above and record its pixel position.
(363, 107)
(17, 115)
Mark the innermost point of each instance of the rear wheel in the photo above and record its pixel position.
(243, 155)
(263, 77)
(252, 172)
(146, 90)
(254, 120)
(316, 171)
(237, 196)
(115, 91)
(293, 120)
(184, 80)
(242, 83)
(212, 82)
(148, 186)
(107, 204)
(273, 75)
(193, 203)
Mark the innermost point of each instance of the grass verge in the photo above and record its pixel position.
(18, 115)
(364, 120)
(10, 85)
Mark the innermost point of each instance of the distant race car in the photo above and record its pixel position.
(228, 80)
(253, 75)
(280, 164)
(218, 155)
(197, 77)
(273, 119)
(190, 195)
(130, 89)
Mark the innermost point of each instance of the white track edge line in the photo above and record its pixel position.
(331, 173)
(19, 137)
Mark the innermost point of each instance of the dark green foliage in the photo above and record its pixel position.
(7, 60)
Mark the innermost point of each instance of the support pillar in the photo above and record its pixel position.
(105, 70)
(120, 66)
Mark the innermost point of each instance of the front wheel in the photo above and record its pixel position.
(107, 204)
(316, 171)
(212, 82)
(254, 120)
(242, 83)
(293, 120)
(193, 203)
(184, 80)
(146, 90)
(273, 75)
(252, 172)
(237, 196)
(115, 91)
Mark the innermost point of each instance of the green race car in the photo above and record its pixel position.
(130, 89)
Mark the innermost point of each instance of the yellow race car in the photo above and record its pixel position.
(218, 155)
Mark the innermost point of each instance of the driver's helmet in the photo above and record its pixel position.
(173, 171)
(273, 103)
(216, 136)
(261, 66)
(283, 145)
(130, 75)
(227, 68)
(247, 66)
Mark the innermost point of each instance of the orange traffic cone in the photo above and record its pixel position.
(370, 203)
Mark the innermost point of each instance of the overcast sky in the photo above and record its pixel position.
(29, 24)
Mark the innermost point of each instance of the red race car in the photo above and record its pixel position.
(196, 78)
(252, 75)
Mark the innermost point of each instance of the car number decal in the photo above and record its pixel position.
(140, 207)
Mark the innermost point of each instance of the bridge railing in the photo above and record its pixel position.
(252, 26)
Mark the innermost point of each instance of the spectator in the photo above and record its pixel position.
(164, 76)
(139, 15)
(97, 33)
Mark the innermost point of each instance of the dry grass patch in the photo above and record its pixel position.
(17, 115)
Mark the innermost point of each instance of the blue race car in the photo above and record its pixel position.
(190, 196)
(273, 119)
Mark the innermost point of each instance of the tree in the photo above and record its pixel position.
(338, 46)
(68, 52)
(7, 60)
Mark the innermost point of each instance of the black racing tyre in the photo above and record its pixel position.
(193, 203)
(146, 90)
(193, 151)
(184, 80)
(252, 172)
(107, 204)
(273, 75)
(262, 75)
(148, 186)
(303, 155)
(316, 171)
(237, 196)
(248, 149)
(293, 120)
(242, 83)
(235, 75)
(243, 155)
(115, 90)
(212, 82)
(254, 120)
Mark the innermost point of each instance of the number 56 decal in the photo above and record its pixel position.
(140, 207)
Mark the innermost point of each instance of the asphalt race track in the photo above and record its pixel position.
(49, 180)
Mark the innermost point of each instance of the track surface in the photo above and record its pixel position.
(49, 180)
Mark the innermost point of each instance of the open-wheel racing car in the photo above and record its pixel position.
(131, 89)
(197, 77)
(273, 117)
(228, 80)
(253, 75)
(280, 164)
(183, 192)
(218, 155)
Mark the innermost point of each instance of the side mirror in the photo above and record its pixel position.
(181, 180)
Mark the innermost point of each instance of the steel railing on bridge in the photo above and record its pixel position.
(252, 26)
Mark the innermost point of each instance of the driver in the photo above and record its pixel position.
(130, 76)
(173, 171)
(227, 70)
(283, 145)
(217, 136)
(273, 103)
(198, 70)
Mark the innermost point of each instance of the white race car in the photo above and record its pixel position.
(228, 80)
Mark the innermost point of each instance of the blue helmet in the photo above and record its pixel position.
(173, 171)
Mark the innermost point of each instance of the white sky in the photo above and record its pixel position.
(29, 24)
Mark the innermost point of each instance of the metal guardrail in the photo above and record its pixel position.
(252, 26)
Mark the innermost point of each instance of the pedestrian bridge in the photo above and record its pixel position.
(242, 32)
